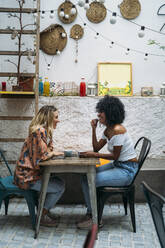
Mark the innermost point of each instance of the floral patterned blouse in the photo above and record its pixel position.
(35, 149)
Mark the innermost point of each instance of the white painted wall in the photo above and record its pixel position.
(145, 116)
(92, 51)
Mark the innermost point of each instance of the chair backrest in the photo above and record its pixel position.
(2, 156)
(145, 145)
(91, 237)
(155, 202)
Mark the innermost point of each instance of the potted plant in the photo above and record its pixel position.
(23, 83)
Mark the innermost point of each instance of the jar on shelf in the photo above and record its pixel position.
(92, 89)
(3, 86)
(82, 87)
(162, 89)
(46, 87)
(41, 86)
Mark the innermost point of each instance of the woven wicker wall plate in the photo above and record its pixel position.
(130, 9)
(51, 39)
(76, 32)
(96, 13)
(67, 8)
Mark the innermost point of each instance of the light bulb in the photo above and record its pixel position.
(42, 14)
(51, 14)
(62, 14)
(141, 32)
(97, 35)
(81, 3)
(73, 10)
(66, 16)
(35, 14)
(63, 35)
(48, 67)
(111, 45)
(127, 51)
(146, 56)
(113, 18)
(86, 5)
(58, 52)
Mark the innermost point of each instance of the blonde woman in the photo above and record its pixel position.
(36, 148)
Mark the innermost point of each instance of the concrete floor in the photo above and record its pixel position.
(16, 231)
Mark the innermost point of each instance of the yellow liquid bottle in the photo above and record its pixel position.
(46, 87)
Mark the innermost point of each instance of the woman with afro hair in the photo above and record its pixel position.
(120, 147)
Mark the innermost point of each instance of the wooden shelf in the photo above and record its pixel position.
(23, 53)
(10, 31)
(17, 10)
(14, 74)
(17, 92)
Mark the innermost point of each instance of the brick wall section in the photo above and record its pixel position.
(144, 116)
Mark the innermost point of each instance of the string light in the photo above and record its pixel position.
(111, 44)
(63, 35)
(52, 14)
(73, 10)
(66, 16)
(120, 45)
(42, 14)
(113, 18)
(141, 32)
(81, 3)
(127, 51)
(86, 5)
(48, 67)
(97, 35)
(62, 14)
(146, 56)
(58, 52)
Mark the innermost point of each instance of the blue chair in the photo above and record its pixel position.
(8, 190)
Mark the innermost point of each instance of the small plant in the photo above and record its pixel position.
(15, 34)
(153, 42)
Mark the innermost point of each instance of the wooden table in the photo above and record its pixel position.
(68, 165)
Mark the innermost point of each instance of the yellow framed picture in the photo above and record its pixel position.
(114, 79)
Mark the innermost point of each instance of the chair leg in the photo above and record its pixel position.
(125, 203)
(132, 207)
(31, 207)
(101, 199)
(6, 200)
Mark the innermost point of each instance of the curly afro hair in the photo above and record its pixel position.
(113, 109)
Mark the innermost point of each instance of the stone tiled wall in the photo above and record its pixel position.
(144, 117)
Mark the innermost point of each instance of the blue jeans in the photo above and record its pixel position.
(56, 188)
(111, 174)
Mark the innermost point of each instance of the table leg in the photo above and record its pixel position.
(44, 186)
(91, 175)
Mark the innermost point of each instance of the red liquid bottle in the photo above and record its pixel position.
(82, 87)
(3, 86)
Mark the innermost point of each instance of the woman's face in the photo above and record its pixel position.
(102, 118)
(55, 119)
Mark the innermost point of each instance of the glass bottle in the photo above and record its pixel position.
(82, 87)
(41, 86)
(46, 87)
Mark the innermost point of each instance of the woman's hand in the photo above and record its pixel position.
(56, 153)
(94, 123)
(88, 154)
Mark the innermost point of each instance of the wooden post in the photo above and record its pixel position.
(37, 57)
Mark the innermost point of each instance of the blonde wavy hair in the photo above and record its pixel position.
(44, 118)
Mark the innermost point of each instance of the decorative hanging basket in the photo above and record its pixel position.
(66, 7)
(51, 39)
(96, 13)
(130, 9)
(76, 32)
